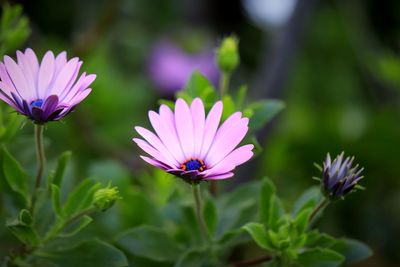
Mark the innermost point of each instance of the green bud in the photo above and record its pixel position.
(105, 198)
(227, 54)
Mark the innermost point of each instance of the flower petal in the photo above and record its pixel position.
(227, 138)
(18, 79)
(155, 163)
(64, 77)
(211, 126)
(154, 141)
(219, 177)
(198, 116)
(184, 127)
(46, 74)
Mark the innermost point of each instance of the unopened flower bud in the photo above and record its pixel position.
(105, 198)
(339, 177)
(227, 54)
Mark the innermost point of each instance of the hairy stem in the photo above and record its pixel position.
(224, 83)
(199, 212)
(41, 158)
(324, 202)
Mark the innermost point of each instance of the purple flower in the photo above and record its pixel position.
(170, 67)
(340, 177)
(193, 147)
(43, 92)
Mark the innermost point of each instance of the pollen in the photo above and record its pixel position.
(193, 164)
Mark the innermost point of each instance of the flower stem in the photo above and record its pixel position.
(41, 158)
(199, 212)
(224, 83)
(324, 202)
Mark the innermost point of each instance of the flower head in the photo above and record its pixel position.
(340, 177)
(105, 198)
(170, 66)
(43, 92)
(191, 146)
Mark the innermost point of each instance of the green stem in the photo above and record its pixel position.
(41, 158)
(324, 202)
(224, 83)
(59, 226)
(199, 212)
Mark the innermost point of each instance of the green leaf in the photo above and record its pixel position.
(61, 166)
(150, 242)
(83, 222)
(352, 250)
(309, 199)
(320, 257)
(169, 103)
(199, 86)
(301, 220)
(229, 106)
(261, 112)
(241, 97)
(270, 207)
(210, 215)
(15, 176)
(81, 197)
(25, 217)
(23, 229)
(317, 239)
(56, 200)
(92, 253)
(194, 258)
(259, 235)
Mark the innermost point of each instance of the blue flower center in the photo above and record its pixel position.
(193, 165)
(37, 103)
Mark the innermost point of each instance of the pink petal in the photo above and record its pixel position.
(60, 61)
(23, 63)
(80, 96)
(184, 127)
(83, 82)
(211, 127)
(220, 176)
(154, 163)
(33, 63)
(154, 141)
(64, 77)
(226, 139)
(167, 132)
(8, 85)
(46, 74)
(146, 147)
(6, 98)
(235, 158)
(18, 79)
(198, 115)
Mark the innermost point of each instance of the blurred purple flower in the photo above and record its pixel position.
(192, 146)
(43, 92)
(170, 67)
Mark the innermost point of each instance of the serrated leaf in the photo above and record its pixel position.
(301, 220)
(15, 176)
(62, 163)
(320, 257)
(210, 215)
(353, 250)
(258, 233)
(92, 253)
(150, 242)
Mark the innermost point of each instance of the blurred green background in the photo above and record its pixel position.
(336, 64)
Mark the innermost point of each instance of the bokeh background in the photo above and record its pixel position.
(336, 65)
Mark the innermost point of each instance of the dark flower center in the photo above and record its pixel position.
(37, 103)
(193, 165)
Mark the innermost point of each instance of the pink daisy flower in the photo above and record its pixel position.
(191, 146)
(43, 92)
